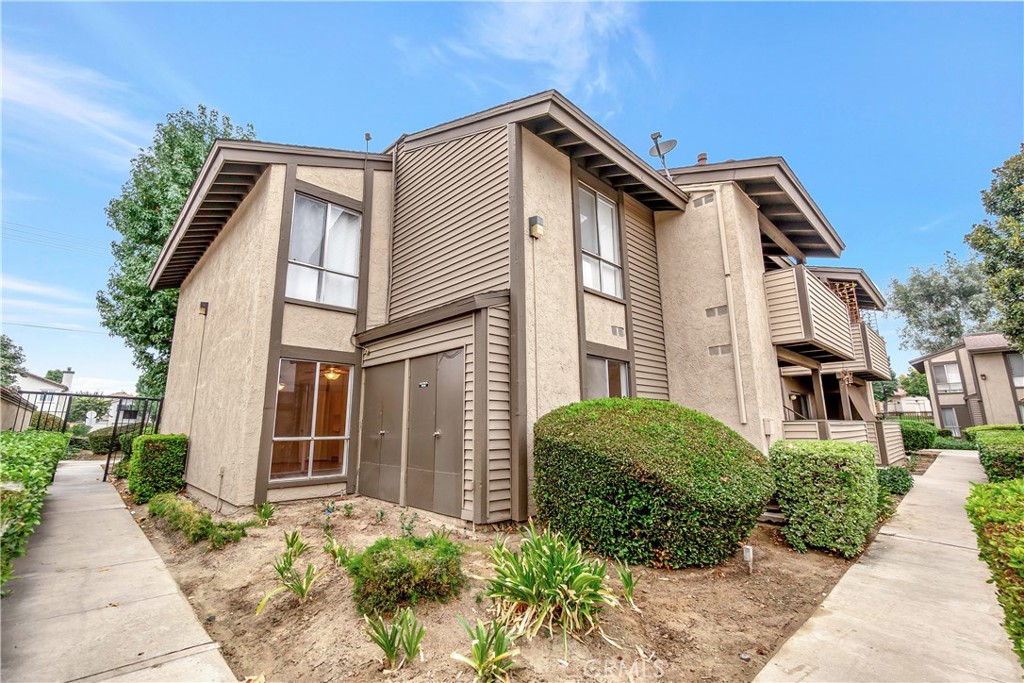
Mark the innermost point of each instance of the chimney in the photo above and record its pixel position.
(702, 159)
(67, 378)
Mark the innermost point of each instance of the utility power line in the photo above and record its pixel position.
(55, 327)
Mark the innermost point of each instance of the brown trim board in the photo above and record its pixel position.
(517, 326)
(314, 481)
(606, 351)
(577, 242)
(323, 194)
(627, 298)
(415, 321)
(365, 237)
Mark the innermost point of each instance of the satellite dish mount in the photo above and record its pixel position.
(660, 149)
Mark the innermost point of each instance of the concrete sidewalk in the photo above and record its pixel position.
(94, 601)
(916, 606)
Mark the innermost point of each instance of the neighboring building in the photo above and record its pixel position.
(47, 398)
(978, 381)
(395, 323)
(903, 403)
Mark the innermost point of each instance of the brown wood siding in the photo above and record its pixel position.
(847, 430)
(800, 429)
(651, 369)
(783, 306)
(877, 352)
(451, 221)
(830, 320)
(499, 415)
(894, 451)
(873, 440)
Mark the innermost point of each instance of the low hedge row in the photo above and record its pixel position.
(971, 433)
(895, 480)
(157, 465)
(648, 482)
(1001, 454)
(948, 443)
(401, 571)
(917, 436)
(195, 524)
(26, 469)
(828, 491)
(997, 513)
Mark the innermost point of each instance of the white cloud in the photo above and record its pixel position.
(11, 283)
(103, 385)
(42, 307)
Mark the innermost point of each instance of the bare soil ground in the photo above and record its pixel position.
(924, 461)
(695, 624)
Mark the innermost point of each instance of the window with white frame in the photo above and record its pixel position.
(947, 378)
(312, 419)
(606, 378)
(323, 256)
(1016, 362)
(602, 253)
(949, 421)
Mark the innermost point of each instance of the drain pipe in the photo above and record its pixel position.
(716, 190)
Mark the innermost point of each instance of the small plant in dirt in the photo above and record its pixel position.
(405, 633)
(408, 525)
(895, 480)
(300, 584)
(402, 571)
(379, 515)
(329, 507)
(340, 553)
(629, 582)
(294, 545)
(548, 583)
(347, 510)
(490, 655)
(412, 634)
(265, 513)
(441, 532)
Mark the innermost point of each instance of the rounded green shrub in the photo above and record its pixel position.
(45, 422)
(648, 482)
(157, 465)
(401, 571)
(972, 433)
(828, 491)
(896, 480)
(1001, 454)
(917, 436)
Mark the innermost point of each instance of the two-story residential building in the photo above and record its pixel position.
(395, 323)
(978, 381)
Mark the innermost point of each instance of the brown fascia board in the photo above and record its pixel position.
(773, 168)
(857, 275)
(226, 151)
(555, 105)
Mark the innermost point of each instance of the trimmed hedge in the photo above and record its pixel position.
(128, 438)
(971, 433)
(947, 433)
(26, 469)
(401, 571)
(157, 465)
(45, 422)
(895, 480)
(100, 440)
(917, 436)
(828, 491)
(953, 444)
(997, 513)
(648, 482)
(1001, 454)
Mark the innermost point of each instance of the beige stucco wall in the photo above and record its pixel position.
(997, 392)
(380, 250)
(552, 337)
(948, 399)
(346, 181)
(317, 328)
(693, 279)
(236, 277)
(601, 315)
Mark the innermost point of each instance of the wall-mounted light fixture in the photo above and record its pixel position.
(204, 306)
(536, 227)
(984, 376)
(793, 397)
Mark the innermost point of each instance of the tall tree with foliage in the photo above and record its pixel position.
(1001, 245)
(942, 304)
(144, 214)
(914, 383)
(12, 361)
(81, 405)
(884, 390)
(54, 375)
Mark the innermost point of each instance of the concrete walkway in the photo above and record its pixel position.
(916, 606)
(94, 601)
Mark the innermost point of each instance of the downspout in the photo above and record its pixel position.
(741, 404)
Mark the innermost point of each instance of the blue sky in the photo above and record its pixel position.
(892, 115)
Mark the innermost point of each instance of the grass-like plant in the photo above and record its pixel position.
(629, 582)
(294, 544)
(379, 515)
(265, 513)
(549, 583)
(339, 552)
(408, 524)
(387, 638)
(301, 584)
(412, 634)
(348, 509)
(491, 652)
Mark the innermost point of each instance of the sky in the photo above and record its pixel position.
(892, 115)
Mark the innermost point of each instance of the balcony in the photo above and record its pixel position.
(806, 317)
(870, 357)
(885, 437)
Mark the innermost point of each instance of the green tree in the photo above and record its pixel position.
(1001, 245)
(144, 214)
(81, 405)
(884, 390)
(54, 375)
(914, 383)
(12, 361)
(941, 304)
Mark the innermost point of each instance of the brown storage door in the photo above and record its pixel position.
(448, 427)
(380, 457)
(419, 487)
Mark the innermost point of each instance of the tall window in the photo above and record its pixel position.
(311, 427)
(602, 257)
(606, 378)
(1016, 361)
(948, 420)
(947, 378)
(323, 257)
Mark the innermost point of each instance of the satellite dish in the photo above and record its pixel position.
(660, 149)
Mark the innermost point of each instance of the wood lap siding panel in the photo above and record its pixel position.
(783, 306)
(893, 441)
(848, 431)
(499, 415)
(645, 294)
(877, 352)
(829, 316)
(450, 235)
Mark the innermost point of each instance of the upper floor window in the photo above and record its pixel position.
(947, 378)
(602, 253)
(323, 256)
(1016, 361)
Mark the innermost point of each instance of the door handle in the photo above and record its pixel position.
(382, 432)
(437, 433)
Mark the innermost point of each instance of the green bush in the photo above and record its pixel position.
(100, 440)
(828, 491)
(917, 436)
(195, 524)
(1001, 454)
(401, 571)
(971, 433)
(26, 469)
(78, 443)
(126, 439)
(945, 443)
(895, 480)
(157, 465)
(80, 429)
(947, 433)
(648, 482)
(997, 513)
(46, 422)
